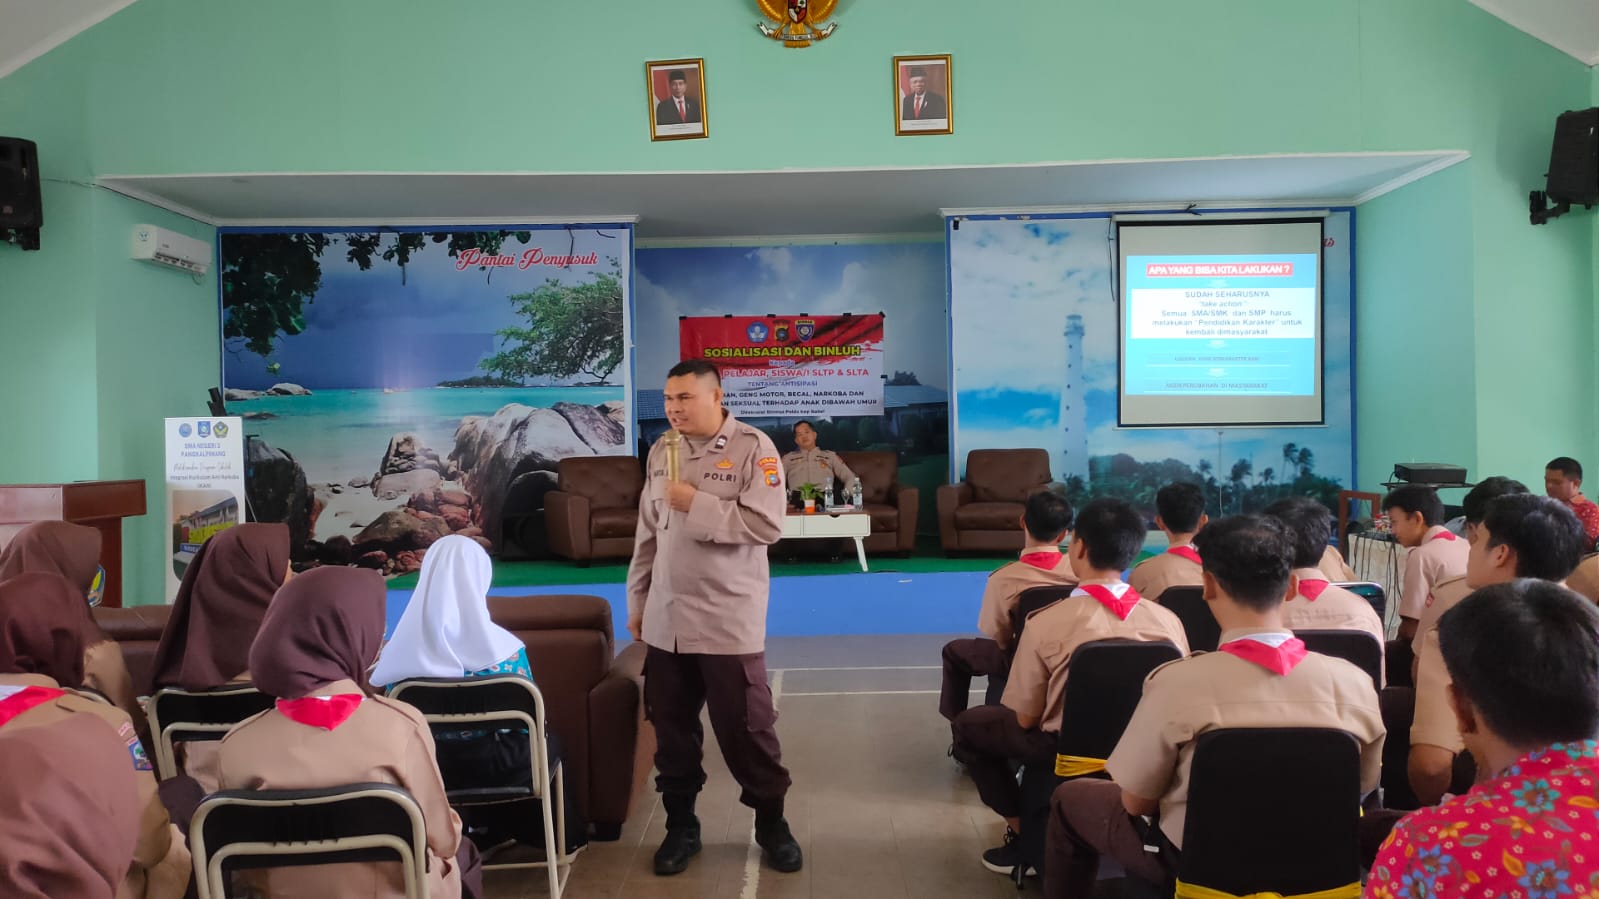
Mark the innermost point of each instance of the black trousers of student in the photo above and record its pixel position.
(1087, 822)
(964, 659)
(501, 759)
(677, 686)
(987, 739)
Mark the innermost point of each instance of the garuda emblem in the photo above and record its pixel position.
(799, 22)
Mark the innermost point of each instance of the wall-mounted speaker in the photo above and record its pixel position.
(21, 212)
(1574, 159)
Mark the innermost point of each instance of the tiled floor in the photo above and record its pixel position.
(879, 809)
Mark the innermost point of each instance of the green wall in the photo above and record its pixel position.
(182, 86)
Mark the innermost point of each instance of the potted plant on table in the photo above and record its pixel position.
(808, 494)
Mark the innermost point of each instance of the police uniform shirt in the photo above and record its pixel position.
(813, 466)
(1214, 690)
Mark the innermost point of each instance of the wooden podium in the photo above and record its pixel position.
(99, 504)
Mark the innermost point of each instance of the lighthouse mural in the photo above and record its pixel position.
(1073, 406)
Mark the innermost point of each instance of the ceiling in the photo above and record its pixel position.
(698, 205)
(31, 28)
(1571, 26)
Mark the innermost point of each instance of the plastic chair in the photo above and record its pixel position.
(1357, 647)
(1031, 601)
(493, 703)
(1272, 811)
(192, 716)
(1199, 625)
(237, 830)
(1372, 593)
(1104, 682)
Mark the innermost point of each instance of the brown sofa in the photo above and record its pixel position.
(593, 512)
(893, 507)
(592, 695)
(984, 511)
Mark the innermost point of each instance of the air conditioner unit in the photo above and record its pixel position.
(158, 245)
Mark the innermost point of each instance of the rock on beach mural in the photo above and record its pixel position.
(401, 385)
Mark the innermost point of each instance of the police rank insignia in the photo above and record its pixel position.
(799, 22)
(725, 464)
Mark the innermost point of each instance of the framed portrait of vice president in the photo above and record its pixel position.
(923, 98)
(677, 99)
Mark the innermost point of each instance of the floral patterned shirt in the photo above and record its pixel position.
(516, 664)
(1531, 833)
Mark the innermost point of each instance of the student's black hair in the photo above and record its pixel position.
(1250, 556)
(1567, 466)
(1413, 498)
(806, 423)
(1308, 525)
(1525, 654)
(1180, 506)
(1048, 515)
(1544, 533)
(695, 367)
(1475, 505)
(1111, 531)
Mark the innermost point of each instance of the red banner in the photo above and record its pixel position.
(777, 366)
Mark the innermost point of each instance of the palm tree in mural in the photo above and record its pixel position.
(1306, 459)
(1240, 473)
(1207, 482)
(1290, 460)
(1268, 477)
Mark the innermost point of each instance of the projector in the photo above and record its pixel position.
(1430, 473)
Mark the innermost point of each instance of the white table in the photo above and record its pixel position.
(855, 525)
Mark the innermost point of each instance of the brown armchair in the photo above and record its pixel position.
(592, 695)
(593, 511)
(892, 506)
(137, 630)
(984, 511)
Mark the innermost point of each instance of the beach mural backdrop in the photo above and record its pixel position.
(1033, 325)
(401, 385)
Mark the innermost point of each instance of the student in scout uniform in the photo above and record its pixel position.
(73, 551)
(1562, 479)
(43, 627)
(1585, 580)
(319, 639)
(1315, 602)
(1261, 677)
(1416, 515)
(1521, 536)
(809, 465)
(1180, 513)
(1046, 520)
(1332, 565)
(224, 595)
(1108, 535)
(696, 594)
(70, 826)
(1523, 658)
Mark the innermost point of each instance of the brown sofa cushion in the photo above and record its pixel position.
(1006, 476)
(884, 518)
(989, 517)
(878, 471)
(613, 522)
(609, 482)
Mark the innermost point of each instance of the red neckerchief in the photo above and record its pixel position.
(1443, 535)
(1187, 552)
(326, 712)
(1276, 659)
(1043, 559)
(25, 699)
(1311, 588)
(1120, 606)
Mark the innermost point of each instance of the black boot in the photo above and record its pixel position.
(773, 836)
(682, 835)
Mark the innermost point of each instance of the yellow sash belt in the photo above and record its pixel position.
(1195, 891)
(1077, 765)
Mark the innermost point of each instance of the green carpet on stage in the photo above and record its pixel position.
(552, 573)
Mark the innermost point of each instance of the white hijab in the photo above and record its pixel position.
(445, 630)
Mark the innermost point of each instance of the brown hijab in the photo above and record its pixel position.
(69, 810)
(224, 596)
(59, 547)
(44, 627)
(325, 625)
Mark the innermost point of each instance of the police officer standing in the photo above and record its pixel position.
(696, 595)
(809, 465)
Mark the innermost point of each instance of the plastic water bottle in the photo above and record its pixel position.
(827, 489)
(855, 494)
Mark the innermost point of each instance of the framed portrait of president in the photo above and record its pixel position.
(923, 98)
(677, 99)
